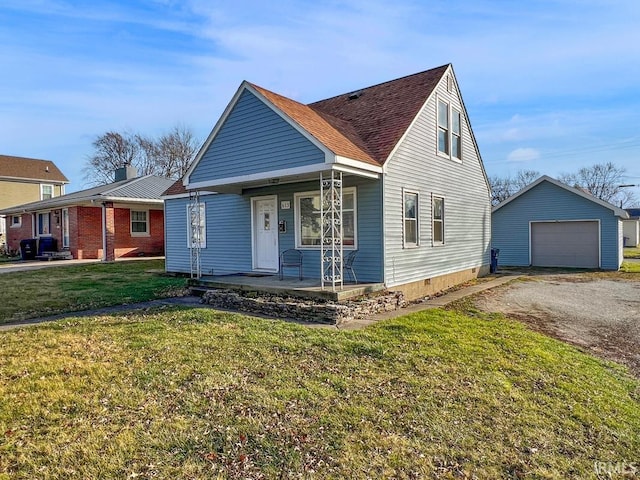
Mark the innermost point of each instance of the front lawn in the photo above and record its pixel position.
(203, 394)
(629, 267)
(630, 252)
(80, 287)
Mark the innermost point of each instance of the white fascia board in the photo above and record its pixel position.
(33, 180)
(256, 177)
(355, 171)
(358, 164)
(214, 132)
(186, 195)
(328, 154)
(131, 200)
(281, 174)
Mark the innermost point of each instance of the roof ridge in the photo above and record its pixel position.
(444, 67)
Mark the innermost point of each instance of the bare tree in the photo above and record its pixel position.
(602, 180)
(112, 150)
(503, 187)
(167, 156)
(176, 150)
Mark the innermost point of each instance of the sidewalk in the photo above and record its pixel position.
(194, 302)
(436, 302)
(26, 265)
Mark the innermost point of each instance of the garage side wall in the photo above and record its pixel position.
(548, 202)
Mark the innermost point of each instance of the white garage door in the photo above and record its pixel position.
(565, 244)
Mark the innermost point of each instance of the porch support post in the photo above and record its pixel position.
(195, 231)
(108, 232)
(331, 253)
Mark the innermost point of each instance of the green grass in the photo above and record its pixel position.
(629, 267)
(80, 287)
(202, 394)
(8, 259)
(630, 252)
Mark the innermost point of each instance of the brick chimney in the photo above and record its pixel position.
(126, 173)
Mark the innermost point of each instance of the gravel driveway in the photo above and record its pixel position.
(600, 315)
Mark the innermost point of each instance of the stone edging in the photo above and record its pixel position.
(329, 312)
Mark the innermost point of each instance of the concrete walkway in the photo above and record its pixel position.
(436, 302)
(194, 302)
(28, 265)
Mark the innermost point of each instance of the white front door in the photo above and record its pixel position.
(265, 233)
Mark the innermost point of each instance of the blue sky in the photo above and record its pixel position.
(549, 85)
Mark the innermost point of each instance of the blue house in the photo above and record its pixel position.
(549, 224)
(392, 171)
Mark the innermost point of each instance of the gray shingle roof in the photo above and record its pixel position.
(141, 189)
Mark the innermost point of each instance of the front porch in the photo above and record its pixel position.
(308, 288)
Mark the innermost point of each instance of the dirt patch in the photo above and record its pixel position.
(600, 315)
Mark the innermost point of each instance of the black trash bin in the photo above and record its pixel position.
(494, 260)
(47, 244)
(28, 248)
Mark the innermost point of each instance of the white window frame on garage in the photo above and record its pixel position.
(567, 221)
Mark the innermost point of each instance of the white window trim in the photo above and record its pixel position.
(16, 225)
(65, 240)
(203, 217)
(450, 111)
(42, 185)
(405, 244)
(296, 214)
(148, 222)
(444, 215)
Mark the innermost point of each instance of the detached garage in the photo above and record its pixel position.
(549, 224)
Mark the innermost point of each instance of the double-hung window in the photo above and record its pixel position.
(16, 221)
(139, 223)
(438, 220)
(309, 223)
(410, 217)
(46, 192)
(449, 131)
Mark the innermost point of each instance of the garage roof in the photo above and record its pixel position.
(616, 211)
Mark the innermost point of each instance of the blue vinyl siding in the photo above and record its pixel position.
(254, 139)
(548, 202)
(229, 231)
(416, 167)
(228, 247)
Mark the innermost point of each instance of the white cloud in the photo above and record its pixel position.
(523, 155)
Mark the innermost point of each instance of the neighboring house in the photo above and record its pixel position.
(415, 198)
(121, 219)
(632, 228)
(549, 224)
(25, 180)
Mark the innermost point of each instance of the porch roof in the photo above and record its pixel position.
(278, 177)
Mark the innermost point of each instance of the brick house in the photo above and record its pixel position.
(25, 180)
(121, 219)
